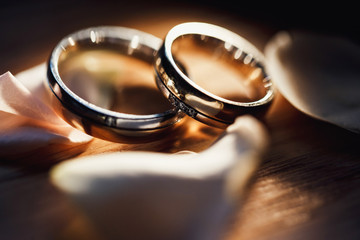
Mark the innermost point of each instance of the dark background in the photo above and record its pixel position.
(330, 16)
(25, 24)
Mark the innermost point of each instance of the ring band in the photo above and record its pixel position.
(192, 99)
(98, 121)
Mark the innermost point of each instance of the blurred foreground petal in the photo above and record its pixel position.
(319, 75)
(147, 195)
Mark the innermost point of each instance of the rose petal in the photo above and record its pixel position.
(27, 120)
(319, 75)
(147, 195)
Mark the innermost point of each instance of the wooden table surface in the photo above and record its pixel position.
(306, 188)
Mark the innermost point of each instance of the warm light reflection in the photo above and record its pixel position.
(248, 59)
(171, 85)
(158, 61)
(230, 73)
(71, 41)
(91, 64)
(93, 36)
(237, 54)
(255, 74)
(135, 42)
(211, 108)
(112, 81)
(228, 46)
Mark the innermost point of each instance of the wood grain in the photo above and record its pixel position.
(306, 188)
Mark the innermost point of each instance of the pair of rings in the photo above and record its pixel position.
(171, 77)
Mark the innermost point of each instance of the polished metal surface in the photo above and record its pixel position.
(95, 119)
(194, 100)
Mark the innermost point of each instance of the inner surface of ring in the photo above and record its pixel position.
(220, 68)
(116, 77)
